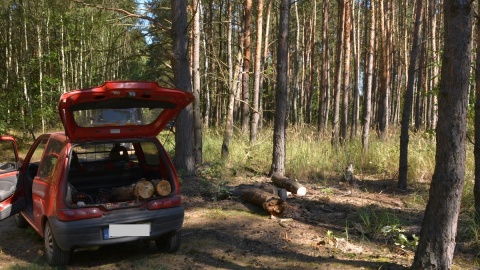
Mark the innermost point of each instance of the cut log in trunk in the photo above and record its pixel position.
(142, 190)
(288, 184)
(162, 187)
(271, 203)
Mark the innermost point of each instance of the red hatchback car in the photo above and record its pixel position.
(99, 182)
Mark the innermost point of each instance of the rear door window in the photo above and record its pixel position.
(50, 159)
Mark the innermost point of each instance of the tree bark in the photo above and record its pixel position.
(346, 71)
(324, 82)
(407, 107)
(338, 75)
(258, 74)
(184, 158)
(367, 102)
(419, 101)
(437, 238)
(357, 59)
(197, 112)
(281, 95)
(247, 21)
(476, 151)
(383, 105)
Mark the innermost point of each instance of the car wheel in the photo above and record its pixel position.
(169, 242)
(55, 255)
(20, 221)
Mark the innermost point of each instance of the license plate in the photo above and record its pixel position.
(124, 230)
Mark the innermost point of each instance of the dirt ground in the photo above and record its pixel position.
(221, 231)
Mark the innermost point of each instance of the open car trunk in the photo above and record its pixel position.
(118, 174)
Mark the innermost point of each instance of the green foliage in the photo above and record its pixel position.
(222, 191)
(379, 223)
(59, 46)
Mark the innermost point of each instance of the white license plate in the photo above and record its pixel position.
(123, 230)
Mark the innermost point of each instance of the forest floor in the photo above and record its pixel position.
(341, 227)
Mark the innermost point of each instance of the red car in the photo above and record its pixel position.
(98, 183)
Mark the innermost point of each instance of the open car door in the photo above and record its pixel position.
(12, 198)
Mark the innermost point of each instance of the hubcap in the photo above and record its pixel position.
(48, 242)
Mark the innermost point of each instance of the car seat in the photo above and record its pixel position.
(119, 158)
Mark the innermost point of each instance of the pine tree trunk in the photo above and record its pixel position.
(281, 95)
(437, 237)
(367, 101)
(383, 108)
(197, 113)
(324, 83)
(247, 21)
(408, 103)
(346, 72)
(476, 151)
(419, 101)
(357, 58)
(258, 72)
(184, 156)
(338, 75)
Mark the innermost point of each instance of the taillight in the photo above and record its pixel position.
(78, 214)
(165, 203)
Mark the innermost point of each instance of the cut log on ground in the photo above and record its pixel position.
(271, 203)
(288, 184)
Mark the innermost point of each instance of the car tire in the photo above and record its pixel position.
(170, 242)
(55, 255)
(20, 221)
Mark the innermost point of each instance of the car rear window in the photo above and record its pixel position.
(116, 116)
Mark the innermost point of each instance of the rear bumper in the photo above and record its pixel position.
(90, 232)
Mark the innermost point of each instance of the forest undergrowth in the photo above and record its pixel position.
(311, 158)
